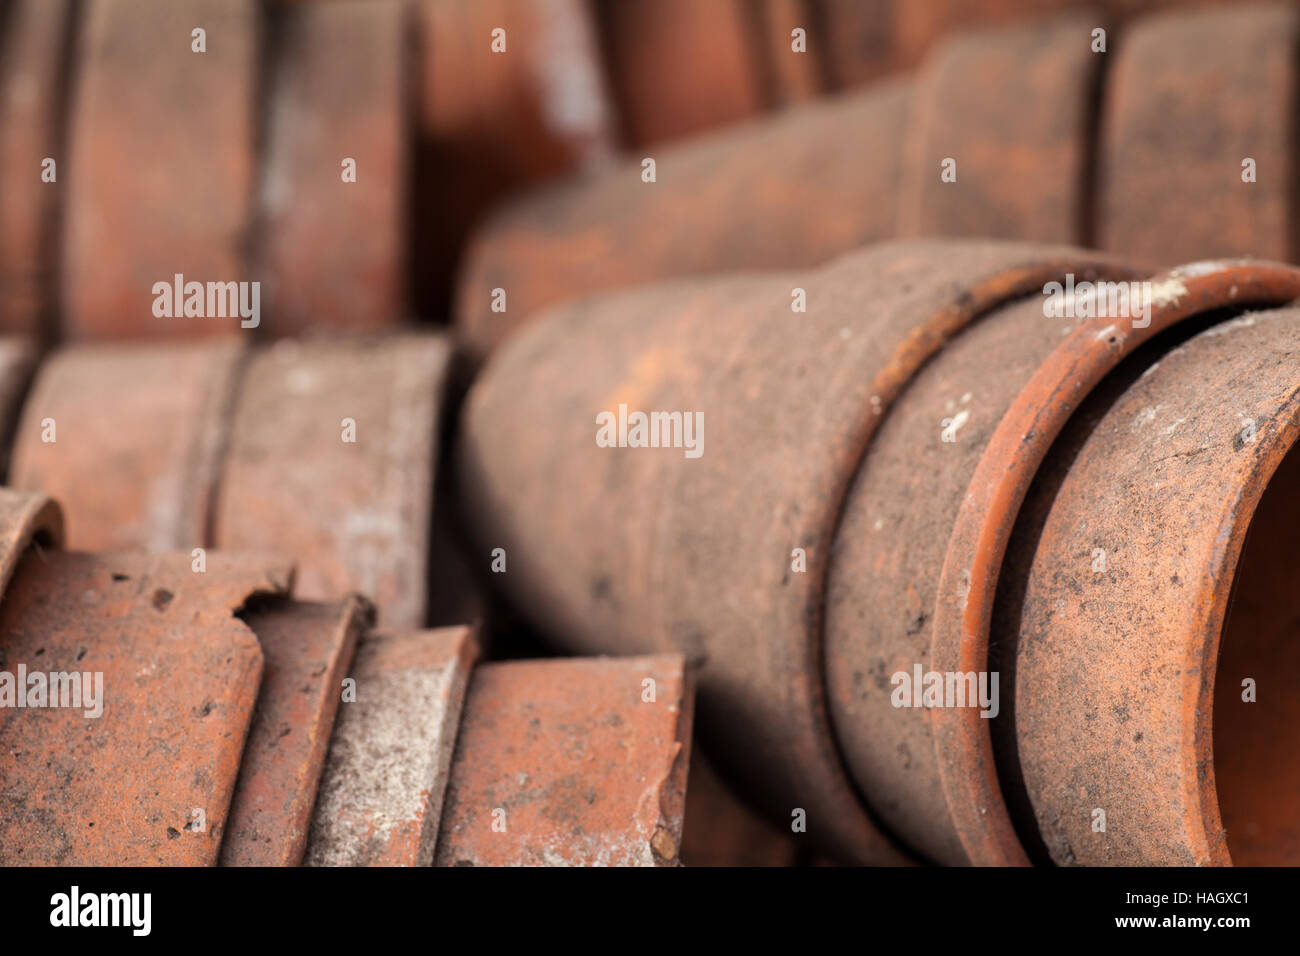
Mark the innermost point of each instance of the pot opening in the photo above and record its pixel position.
(1257, 685)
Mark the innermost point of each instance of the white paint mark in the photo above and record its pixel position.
(1145, 417)
(1167, 292)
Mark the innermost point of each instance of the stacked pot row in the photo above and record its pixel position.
(1167, 140)
(322, 149)
(941, 468)
(170, 693)
(319, 148)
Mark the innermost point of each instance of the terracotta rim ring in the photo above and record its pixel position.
(1154, 635)
(1020, 443)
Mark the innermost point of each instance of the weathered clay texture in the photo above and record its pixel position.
(33, 55)
(307, 649)
(356, 513)
(764, 196)
(334, 251)
(162, 149)
(137, 433)
(180, 678)
(1191, 95)
(664, 54)
(1020, 171)
(570, 763)
(381, 795)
